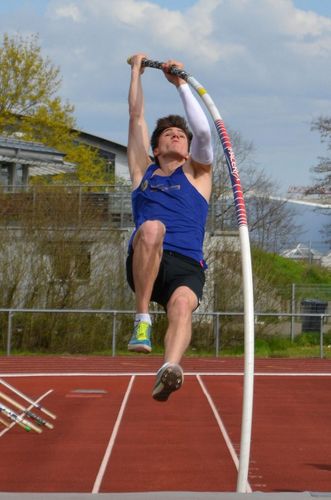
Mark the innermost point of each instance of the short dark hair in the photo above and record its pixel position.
(166, 122)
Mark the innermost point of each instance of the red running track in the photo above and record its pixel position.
(114, 437)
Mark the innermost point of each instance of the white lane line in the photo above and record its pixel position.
(31, 407)
(113, 436)
(222, 429)
(146, 374)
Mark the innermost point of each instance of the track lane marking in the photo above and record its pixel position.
(109, 449)
(222, 429)
(145, 374)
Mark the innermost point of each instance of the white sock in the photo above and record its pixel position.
(145, 317)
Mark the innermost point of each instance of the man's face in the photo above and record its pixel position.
(172, 142)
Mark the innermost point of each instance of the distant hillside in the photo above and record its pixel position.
(280, 272)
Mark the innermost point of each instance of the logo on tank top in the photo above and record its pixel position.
(144, 185)
(165, 187)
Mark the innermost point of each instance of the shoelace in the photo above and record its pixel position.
(142, 331)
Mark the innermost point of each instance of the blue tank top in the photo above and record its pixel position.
(174, 201)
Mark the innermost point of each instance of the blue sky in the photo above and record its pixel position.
(265, 63)
(322, 7)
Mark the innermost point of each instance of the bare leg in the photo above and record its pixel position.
(178, 336)
(147, 246)
(170, 376)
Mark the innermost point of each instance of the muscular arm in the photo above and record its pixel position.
(138, 141)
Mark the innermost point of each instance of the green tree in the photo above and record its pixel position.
(29, 105)
(270, 219)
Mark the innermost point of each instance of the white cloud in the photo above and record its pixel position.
(301, 24)
(70, 11)
(149, 24)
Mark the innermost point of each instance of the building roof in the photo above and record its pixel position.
(100, 142)
(301, 252)
(42, 160)
(13, 142)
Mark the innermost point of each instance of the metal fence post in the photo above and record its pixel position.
(292, 311)
(321, 338)
(114, 336)
(9, 332)
(217, 338)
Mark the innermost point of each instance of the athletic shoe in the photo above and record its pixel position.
(169, 378)
(141, 338)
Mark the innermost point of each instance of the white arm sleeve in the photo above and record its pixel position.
(201, 148)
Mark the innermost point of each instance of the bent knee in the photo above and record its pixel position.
(183, 301)
(151, 233)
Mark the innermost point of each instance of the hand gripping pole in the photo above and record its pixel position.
(246, 425)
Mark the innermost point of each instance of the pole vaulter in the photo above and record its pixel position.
(247, 411)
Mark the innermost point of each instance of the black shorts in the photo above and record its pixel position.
(175, 270)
